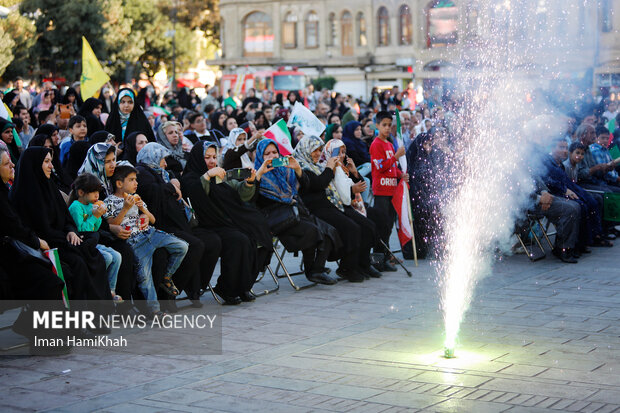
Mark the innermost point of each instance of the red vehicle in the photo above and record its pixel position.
(279, 81)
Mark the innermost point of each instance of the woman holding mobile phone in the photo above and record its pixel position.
(322, 198)
(222, 207)
(278, 190)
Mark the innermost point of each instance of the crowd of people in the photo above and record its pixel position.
(141, 204)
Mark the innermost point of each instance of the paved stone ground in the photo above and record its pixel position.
(539, 337)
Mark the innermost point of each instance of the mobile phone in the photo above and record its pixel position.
(65, 111)
(336, 152)
(238, 174)
(281, 161)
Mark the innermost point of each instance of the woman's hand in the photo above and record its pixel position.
(43, 245)
(177, 186)
(120, 232)
(73, 238)
(332, 163)
(264, 168)
(294, 165)
(351, 166)
(359, 187)
(252, 178)
(217, 171)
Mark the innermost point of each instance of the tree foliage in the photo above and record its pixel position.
(23, 33)
(6, 50)
(196, 14)
(46, 34)
(60, 25)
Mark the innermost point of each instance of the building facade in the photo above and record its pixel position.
(363, 43)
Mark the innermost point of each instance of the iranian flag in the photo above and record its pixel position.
(400, 201)
(279, 133)
(53, 257)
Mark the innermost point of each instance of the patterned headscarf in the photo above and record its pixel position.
(151, 155)
(329, 148)
(303, 154)
(279, 184)
(125, 116)
(95, 162)
(176, 151)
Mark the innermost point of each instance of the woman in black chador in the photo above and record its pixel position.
(223, 208)
(42, 208)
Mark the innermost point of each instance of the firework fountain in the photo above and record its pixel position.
(492, 174)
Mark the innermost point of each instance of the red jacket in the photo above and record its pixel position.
(385, 172)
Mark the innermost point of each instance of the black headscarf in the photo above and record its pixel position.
(78, 100)
(214, 123)
(39, 140)
(98, 137)
(8, 99)
(38, 200)
(137, 120)
(47, 129)
(61, 176)
(93, 123)
(223, 198)
(13, 148)
(129, 148)
(77, 154)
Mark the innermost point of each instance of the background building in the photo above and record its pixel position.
(366, 43)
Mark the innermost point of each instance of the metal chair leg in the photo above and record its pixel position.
(267, 291)
(215, 295)
(544, 231)
(290, 280)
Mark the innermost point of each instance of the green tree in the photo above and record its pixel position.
(6, 50)
(60, 25)
(203, 15)
(123, 44)
(24, 36)
(155, 28)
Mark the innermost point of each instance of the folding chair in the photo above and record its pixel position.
(286, 272)
(525, 229)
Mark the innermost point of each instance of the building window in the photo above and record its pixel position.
(442, 18)
(331, 27)
(346, 28)
(312, 30)
(607, 16)
(383, 25)
(362, 38)
(257, 35)
(289, 31)
(404, 25)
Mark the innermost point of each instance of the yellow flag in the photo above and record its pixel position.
(93, 76)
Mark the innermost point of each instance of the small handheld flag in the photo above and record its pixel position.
(279, 133)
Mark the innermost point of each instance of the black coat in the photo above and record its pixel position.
(161, 198)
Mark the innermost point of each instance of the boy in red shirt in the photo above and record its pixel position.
(385, 176)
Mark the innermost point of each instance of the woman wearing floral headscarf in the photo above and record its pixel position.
(278, 189)
(169, 137)
(322, 198)
(162, 193)
(101, 162)
(126, 117)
